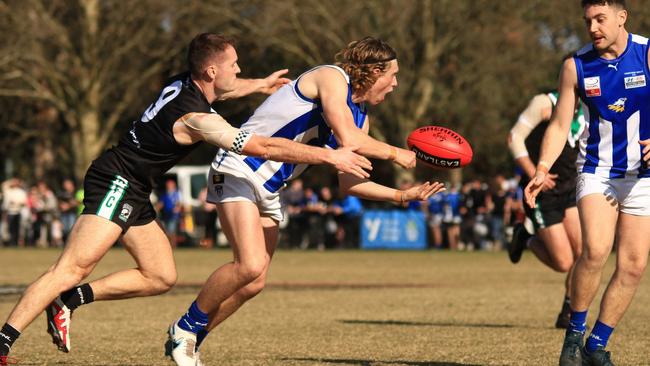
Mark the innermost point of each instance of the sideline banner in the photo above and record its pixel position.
(393, 229)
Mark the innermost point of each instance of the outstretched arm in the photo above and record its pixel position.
(369, 190)
(213, 129)
(289, 151)
(268, 85)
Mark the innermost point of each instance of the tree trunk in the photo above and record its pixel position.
(89, 110)
(89, 147)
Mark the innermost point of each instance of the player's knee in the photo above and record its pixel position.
(633, 269)
(69, 276)
(563, 265)
(252, 269)
(635, 274)
(595, 257)
(163, 282)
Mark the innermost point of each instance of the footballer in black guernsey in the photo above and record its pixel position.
(122, 177)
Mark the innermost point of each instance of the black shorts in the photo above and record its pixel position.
(116, 198)
(549, 209)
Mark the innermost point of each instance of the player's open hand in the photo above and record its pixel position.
(422, 192)
(534, 187)
(346, 160)
(405, 158)
(646, 151)
(275, 81)
(549, 182)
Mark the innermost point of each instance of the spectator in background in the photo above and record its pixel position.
(452, 218)
(68, 206)
(13, 204)
(516, 193)
(500, 203)
(209, 217)
(435, 208)
(294, 196)
(479, 199)
(348, 211)
(314, 209)
(32, 222)
(45, 214)
(467, 214)
(327, 217)
(170, 210)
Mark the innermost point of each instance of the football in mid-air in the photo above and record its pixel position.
(440, 147)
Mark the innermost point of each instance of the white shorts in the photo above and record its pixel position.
(435, 219)
(631, 193)
(223, 187)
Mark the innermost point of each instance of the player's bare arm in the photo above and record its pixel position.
(558, 129)
(213, 129)
(369, 190)
(330, 87)
(267, 85)
(280, 149)
(539, 109)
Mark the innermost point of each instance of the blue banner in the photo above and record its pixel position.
(393, 229)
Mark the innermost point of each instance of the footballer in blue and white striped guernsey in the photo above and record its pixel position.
(616, 100)
(609, 77)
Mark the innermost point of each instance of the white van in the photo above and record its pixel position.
(191, 179)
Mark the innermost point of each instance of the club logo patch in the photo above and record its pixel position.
(632, 82)
(218, 190)
(592, 86)
(125, 212)
(618, 106)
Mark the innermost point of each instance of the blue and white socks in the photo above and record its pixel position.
(598, 337)
(578, 322)
(194, 320)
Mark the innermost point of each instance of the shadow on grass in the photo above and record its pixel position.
(432, 324)
(344, 361)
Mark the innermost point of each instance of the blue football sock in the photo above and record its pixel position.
(194, 320)
(578, 321)
(598, 337)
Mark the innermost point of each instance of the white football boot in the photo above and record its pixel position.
(198, 358)
(181, 346)
(58, 324)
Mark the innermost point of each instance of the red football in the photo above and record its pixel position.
(440, 147)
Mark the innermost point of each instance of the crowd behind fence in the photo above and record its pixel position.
(475, 215)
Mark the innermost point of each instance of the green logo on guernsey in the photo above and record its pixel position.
(113, 198)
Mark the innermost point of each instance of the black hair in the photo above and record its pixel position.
(620, 3)
(203, 47)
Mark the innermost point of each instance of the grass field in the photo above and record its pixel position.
(337, 308)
